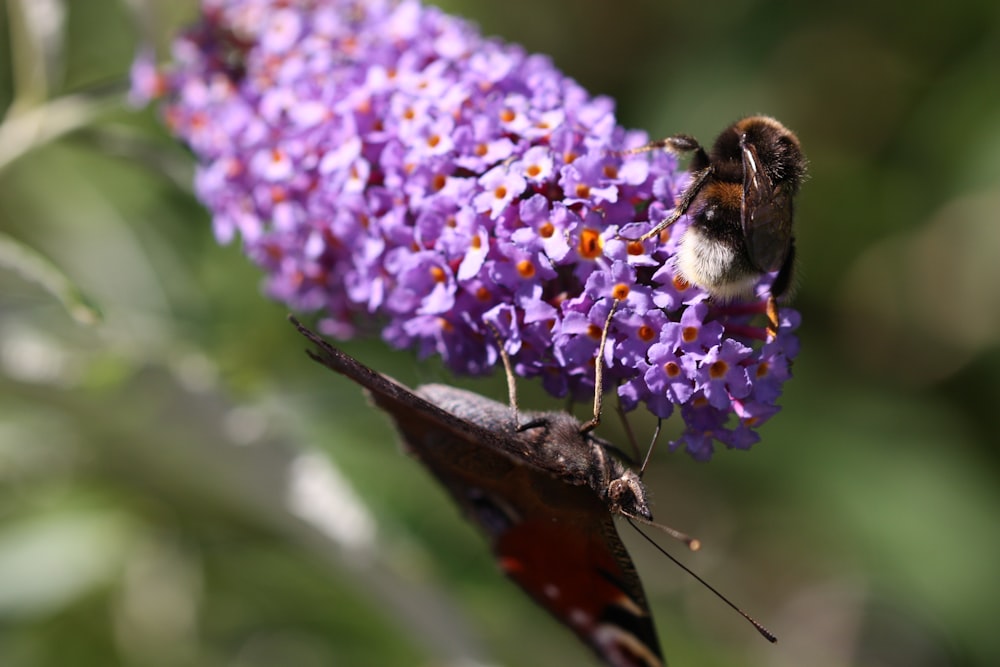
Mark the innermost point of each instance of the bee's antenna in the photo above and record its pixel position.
(764, 632)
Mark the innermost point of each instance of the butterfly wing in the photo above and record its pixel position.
(766, 213)
(423, 414)
(390, 395)
(556, 539)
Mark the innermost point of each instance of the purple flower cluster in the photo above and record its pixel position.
(386, 164)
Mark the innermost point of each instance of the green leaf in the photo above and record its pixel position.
(36, 268)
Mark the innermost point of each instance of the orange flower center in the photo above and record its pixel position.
(718, 370)
(591, 245)
(620, 291)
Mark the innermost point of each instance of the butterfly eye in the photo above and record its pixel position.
(620, 495)
(627, 496)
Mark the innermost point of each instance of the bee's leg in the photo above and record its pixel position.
(682, 205)
(780, 287)
(678, 144)
(772, 317)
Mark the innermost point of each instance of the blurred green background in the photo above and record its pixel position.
(180, 485)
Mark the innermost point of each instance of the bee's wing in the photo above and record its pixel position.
(766, 214)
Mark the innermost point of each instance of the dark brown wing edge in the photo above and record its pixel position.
(640, 626)
(387, 393)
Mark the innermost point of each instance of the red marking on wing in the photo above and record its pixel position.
(572, 571)
(510, 565)
(537, 555)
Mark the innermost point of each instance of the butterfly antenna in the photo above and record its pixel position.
(692, 543)
(509, 372)
(599, 374)
(652, 446)
(764, 632)
(628, 432)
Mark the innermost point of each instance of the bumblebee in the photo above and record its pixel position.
(741, 204)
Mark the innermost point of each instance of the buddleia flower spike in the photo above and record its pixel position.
(391, 168)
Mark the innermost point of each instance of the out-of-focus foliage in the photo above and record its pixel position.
(162, 501)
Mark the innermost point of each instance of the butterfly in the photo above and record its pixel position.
(542, 489)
